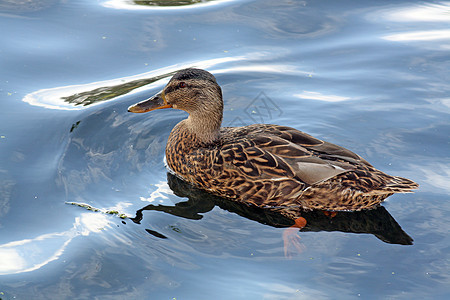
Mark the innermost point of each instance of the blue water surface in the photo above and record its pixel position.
(370, 76)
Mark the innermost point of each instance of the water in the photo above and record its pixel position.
(372, 77)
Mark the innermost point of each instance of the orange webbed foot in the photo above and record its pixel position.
(291, 239)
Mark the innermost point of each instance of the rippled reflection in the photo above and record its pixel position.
(431, 12)
(77, 97)
(31, 254)
(437, 175)
(362, 74)
(376, 221)
(160, 4)
(420, 35)
(437, 13)
(17, 6)
(321, 97)
(6, 188)
(168, 2)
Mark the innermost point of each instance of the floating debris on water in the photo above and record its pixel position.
(91, 208)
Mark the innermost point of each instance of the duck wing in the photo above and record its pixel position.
(278, 152)
(321, 148)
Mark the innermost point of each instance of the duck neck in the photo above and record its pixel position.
(204, 125)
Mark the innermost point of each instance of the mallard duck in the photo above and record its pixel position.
(265, 165)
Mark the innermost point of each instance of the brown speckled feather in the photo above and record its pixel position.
(263, 165)
(270, 165)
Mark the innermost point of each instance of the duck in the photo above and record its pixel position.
(263, 165)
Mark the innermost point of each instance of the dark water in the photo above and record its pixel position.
(370, 76)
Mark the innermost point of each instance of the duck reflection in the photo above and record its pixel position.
(376, 221)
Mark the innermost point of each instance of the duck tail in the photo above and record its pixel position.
(398, 184)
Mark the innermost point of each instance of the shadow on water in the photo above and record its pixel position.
(376, 221)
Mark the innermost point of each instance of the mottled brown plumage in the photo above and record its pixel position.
(265, 165)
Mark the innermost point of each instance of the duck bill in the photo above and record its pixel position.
(156, 102)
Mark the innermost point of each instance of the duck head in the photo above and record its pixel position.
(191, 90)
(195, 91)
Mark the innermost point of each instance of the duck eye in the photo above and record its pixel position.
(182, 84)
